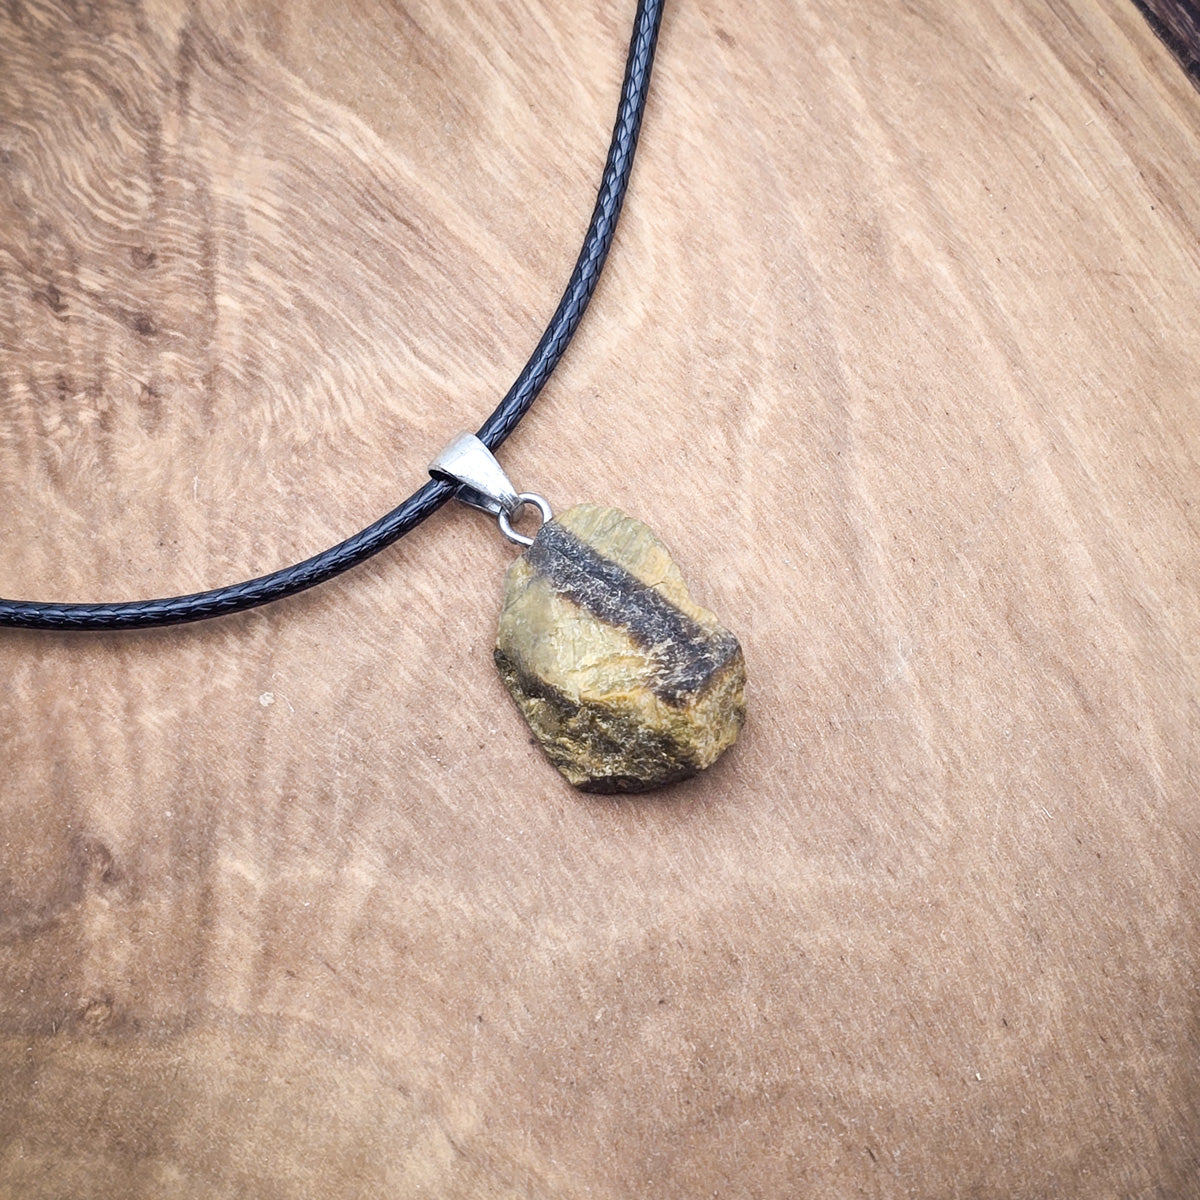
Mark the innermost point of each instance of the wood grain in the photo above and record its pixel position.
(897, 351)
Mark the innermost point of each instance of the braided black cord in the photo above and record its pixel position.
(176, 610)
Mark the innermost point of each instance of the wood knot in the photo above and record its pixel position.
(52, 298)
(96, 1014)
(97, 861)
(144, 324)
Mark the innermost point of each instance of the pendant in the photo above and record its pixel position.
(625, 681)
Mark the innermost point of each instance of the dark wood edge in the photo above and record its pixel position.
(1177, 23)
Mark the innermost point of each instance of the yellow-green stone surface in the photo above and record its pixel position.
(625, 682)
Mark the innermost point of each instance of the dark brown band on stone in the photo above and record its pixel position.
(652, 758)
(686, 655)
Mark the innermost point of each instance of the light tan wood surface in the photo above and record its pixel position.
(897, 350)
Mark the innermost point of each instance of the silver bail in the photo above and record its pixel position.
(481, 480)
(482, 483)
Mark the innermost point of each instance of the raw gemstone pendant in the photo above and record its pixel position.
(624, 680)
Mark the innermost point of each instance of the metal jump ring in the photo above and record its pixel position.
(505, 516)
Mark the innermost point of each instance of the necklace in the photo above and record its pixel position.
(624, 680)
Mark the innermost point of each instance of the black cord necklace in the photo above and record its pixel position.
(604, 729)
(176, 610)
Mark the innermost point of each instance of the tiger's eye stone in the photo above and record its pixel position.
(624, 680)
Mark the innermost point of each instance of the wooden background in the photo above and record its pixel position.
(898, 350)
